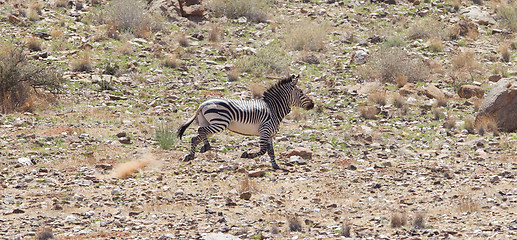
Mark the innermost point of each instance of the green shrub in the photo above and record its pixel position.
(507, 16)
(131, 16)
(253, 10)
(165, 136)
(270, 59)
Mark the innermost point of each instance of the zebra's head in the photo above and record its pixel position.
(298, 98)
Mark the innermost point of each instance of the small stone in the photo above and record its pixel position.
(121, 134)
(352, 167)
(300, 151)
(116, 98)
(125, 140)
(259, 173)
(245, 195)
(25, 161)
(134, 213)
(494, 78)
(18, 210)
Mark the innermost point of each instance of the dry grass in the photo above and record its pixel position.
(127, 169)
(398, 220)
(345, 230)
(61, 3)
(442, 101)
(398, 101)
(400, 79)
(477, 102)
(469, 125)
(34, 44)
(257, 90)
(215, 33)
(504, 49)
(436, 44)
(56, 33)
(465, 61)
(378, 97)
(424, 28)
(438, 113)
(486, 124)
(182, 40)
(271, 59)
(507, 15)
(467, 204)
(247, 185)
(450, 123)
(368, 112)
(170, 61)
(253, 10)
(294, 224)
(233, 75)
(391, 64)
(307, 35)
(130, 16)
(82, 63)
(419, 221)
(125, 48)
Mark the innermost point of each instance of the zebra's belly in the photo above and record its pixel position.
(244, 129)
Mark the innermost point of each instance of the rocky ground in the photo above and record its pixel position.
(377, 158)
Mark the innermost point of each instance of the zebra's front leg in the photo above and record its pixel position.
(262, 151)
(271, 153)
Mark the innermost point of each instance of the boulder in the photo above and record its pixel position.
(408, 89)
(300, 151)
(466, 26)
(478, 16)
(495, 78)
(431, 91)
(500, 104)
(468, 91)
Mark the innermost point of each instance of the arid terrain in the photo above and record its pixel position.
(392, 149)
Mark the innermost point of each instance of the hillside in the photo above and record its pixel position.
(88, 146)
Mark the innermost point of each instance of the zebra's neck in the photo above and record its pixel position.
(278, 106)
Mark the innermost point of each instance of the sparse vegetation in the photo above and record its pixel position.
(165, 136)
(398, 220)
(307, 35)
(130, 16)
(267, 60)
(419, 221)
(34, 44)
(294, 224)
(368, 112)
(253, 10)
(507, 15)
(82, 63)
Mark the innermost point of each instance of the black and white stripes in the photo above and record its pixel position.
(254, 118)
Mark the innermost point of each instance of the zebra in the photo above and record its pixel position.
(260, 117)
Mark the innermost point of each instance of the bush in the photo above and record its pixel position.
(424, 28)
(270, 59)
(130, 16)
(82, 63)
(19, 78)
(165, 136)
(253, 10)
(307, 35)
(507, 15)
(390, 64)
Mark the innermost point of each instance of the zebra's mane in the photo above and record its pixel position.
(271, 90)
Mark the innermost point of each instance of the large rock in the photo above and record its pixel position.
(173, 9)
(431, 91)
(500, 104)
(478, 16)
(468, 91)
(300, 151)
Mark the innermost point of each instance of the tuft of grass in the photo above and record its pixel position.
(171, 61)
(486, 124)
(267, 60)
(368, 112)
(307, 35)
(34, 44)
(165, 136)
(274, 229)
(294, 224)
(215, 33)
(442, 101)
(419, 221)
(398, 220)
(424, 28)
(467, 204)
(257, 90)
(378, 97)
(504, 49)
(438, 113)
(345, 230)
(182, 40)
(130, 16)
(469, 125)
(125, 48)
(465, 61)
(435, 44)
(450, 123)
(233, 75)
(393, 65)
(253, 10)
(82, 63)
(398, 101)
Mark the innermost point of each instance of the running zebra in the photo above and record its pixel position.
(252, 118)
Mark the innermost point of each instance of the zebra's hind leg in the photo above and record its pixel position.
(193, 143)
(205, 147)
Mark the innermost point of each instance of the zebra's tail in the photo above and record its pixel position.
(185, 125)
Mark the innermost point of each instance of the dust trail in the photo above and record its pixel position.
(127, 169)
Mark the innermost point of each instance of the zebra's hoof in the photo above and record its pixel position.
(204, 148)
(274, 165)
(244, 155)
(188, 157)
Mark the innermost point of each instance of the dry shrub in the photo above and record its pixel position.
(505, 52)
(400, 79)
(345, 230)
(61, 3)
(398, 220)
(257, 90)
(456, 4)
(131, 16)
(465, 61)
(368, 112)
(435, 44)
(34, 44)
(233, 75)
(127, 169)
(390, 64)
(267, 60)
(501, 69)
(253, 10)
(19, 79)
(424, 28)
(215, 33)
(294, 224)
(450, 123)
(182, 40)
(419, 221)
(307, 35)
(436, 67)
(398, 101)
(486, 124)
(507, 15)
(45, 234)
(438, 113)
(477, 102)
(171, 61)
(125, 48)
(442, 101)
(247, 185)
(274, 229)
(378, 97)
(469, 125)
(56, 33)
(467, 204)
(82, 63)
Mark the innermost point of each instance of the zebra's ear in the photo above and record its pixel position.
(294, 79)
